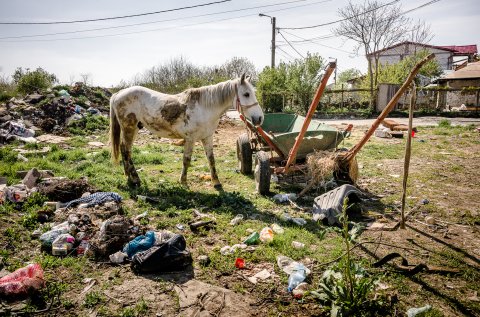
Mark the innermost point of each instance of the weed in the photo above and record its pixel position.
(92, 299)
(347, 288)
(445, 123)
(140, 309)
(88, 124)
(7, 155)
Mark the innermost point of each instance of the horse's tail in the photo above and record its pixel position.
(114, 132)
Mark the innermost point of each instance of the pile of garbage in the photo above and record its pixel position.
(51, 111)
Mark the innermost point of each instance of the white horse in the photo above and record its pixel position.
(190, 115)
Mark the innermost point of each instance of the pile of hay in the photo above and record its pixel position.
(323, 165)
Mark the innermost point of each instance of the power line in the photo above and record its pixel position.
(334, 48)
(285, 54)
(151, 22)
(341, 20)
(312, 39)
(174, 27)
(291, 45)
(118, 17)
(353, 16)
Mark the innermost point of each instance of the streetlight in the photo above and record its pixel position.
(273, 21)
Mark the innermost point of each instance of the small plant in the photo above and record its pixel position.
(346, 288)
(444, 123)
(92, 299)
(139, 310)
(88, 124)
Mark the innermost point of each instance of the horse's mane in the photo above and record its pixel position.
(217, 94)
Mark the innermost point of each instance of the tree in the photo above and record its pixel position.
(271, 87)
(348, 74)
(398, 73)
(237, 66)
(86, 78)
(374, 26)
(297, 79)
(303, 77)
(28, 81)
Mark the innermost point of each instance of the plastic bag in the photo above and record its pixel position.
(170, 256)
(48, 237)
(23, 281)
(140, 243)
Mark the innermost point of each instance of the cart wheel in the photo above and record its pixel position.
(244, 154)
(262, 173)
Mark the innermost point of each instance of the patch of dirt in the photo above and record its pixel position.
(65, 190)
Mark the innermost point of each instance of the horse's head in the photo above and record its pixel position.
(246, 102)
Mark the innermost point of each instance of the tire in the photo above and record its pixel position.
(244, 154)
(262, 173)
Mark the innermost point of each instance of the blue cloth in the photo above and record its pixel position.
(140, 243)
(96, 199)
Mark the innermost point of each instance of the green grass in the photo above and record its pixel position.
(160, 165)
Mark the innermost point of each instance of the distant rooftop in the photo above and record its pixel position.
(464, 49)
(471, 71)
(455, 49)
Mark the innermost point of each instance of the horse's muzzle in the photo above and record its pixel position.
(257, 120)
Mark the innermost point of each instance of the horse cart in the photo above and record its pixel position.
(281, 144)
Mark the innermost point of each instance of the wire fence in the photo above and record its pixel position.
(336, 101)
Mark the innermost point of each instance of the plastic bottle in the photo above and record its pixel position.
(266, 235)
(48, 237)
(252, 239)
(235, 221)
(298, 276)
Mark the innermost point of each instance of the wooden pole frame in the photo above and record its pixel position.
(408, 151)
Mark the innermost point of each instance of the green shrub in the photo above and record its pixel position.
(444, 123)
(28, 81)
(89, 124)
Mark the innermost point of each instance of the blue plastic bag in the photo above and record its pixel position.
(140, 243)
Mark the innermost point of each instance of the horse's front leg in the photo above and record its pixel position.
(187, 158)
(208, 146)
(128, 166)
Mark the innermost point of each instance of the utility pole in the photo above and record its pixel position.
(273, 20)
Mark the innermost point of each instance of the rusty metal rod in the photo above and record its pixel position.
(292, 156)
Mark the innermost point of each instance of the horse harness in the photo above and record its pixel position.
(239, 106)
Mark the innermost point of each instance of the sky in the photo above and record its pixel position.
(119, 53)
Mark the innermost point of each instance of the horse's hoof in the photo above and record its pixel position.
(218, 186)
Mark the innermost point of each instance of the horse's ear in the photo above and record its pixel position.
(248, 78)
(242, 79)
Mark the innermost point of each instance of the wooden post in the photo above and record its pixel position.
(391, 104)
(342, 95)
(478, 105)
(408, 150)
(292, 156)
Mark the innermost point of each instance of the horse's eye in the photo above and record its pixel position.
(246, 95)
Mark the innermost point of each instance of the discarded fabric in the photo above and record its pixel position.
(95, 199)
(140, 243)
(170, 256)
(22, 282)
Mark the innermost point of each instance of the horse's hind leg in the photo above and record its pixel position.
(208, 147)
(129, 130)
(187, 158)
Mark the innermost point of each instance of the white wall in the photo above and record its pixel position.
(394, 55)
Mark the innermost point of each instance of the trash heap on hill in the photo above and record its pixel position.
(51, 111)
